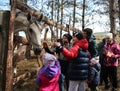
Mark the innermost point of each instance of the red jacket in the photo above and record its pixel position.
(73, 52)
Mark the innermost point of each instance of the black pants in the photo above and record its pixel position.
(102, 74)
(111, 72)
(64, 70)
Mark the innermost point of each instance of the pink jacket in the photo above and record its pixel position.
(112, 49)
(48, 77)
(49, 84)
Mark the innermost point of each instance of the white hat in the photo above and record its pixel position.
(109, 35)
(48, 59)
(94, 60)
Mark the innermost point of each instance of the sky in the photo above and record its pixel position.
(4, 5)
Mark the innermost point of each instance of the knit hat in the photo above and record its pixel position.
(109, 35)
(79, 35)
(68, 36)
(88, 31)
(48, 59)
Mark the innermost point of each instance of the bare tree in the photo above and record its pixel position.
(83, 15)
(58, 10)
(119, 11)
(62, 5)
(74, 11)
(112, 17)
(52, 13)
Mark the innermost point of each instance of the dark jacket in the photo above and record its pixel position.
(63, 62)
(78, 62)
(78, 67)
(94, 74)
(100, 51)
(92, 48)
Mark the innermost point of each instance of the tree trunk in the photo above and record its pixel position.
(74, 11)
(58, 10)
(52, 18)
(9, 73)
(112, 17)
(61, 17)
(41, 17)
(83, 15)
(119, 11)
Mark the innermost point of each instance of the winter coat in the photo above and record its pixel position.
(78, 67)
(79, 58)
(113, 49)
(73, 51)
(94, 74)
(100, 51)
(92, 48)
(64, 63)
(48, 77)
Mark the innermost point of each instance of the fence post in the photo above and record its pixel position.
(4, 27)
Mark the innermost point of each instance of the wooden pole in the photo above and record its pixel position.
(9, 73)
(4, 44)
(40, 17)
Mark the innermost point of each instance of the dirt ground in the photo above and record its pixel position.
(25, 66)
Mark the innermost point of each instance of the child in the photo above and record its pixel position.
(94, 74)
(48, 75)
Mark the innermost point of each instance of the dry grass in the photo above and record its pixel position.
(30, 85)
(27, 66)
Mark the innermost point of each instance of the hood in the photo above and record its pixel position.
(48, 59)
(94, 60)
(91, 38)
(83, 43)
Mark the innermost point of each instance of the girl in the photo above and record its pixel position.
(48, 75)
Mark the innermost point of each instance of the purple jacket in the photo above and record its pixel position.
(113, 48)
(49, 71)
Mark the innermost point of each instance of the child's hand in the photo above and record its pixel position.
(110, 54)
(45, 45)
(57, 44)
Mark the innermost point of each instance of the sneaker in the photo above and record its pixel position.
(107, 87)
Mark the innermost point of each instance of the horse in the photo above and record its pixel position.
(33, 31)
